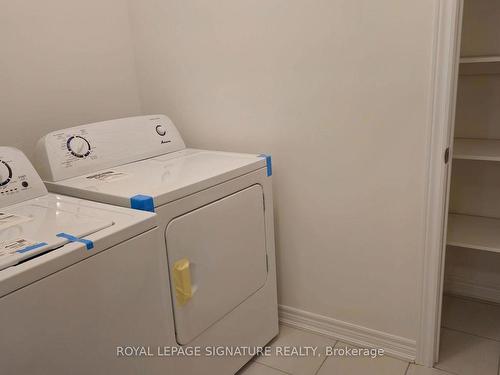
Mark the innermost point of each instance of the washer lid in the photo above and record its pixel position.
(31, 228)
(164, 178)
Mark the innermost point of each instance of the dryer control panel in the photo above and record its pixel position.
(88, 148)
(18, 179)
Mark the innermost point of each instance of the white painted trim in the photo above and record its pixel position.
(445, 62)
(350, 333)
(466, 288)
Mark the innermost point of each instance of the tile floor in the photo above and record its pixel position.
(470, 345)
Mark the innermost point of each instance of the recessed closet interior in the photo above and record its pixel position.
(472, 266)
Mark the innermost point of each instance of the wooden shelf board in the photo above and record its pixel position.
(476, 149)
(479, 59)
(474, 232)
(480, 65)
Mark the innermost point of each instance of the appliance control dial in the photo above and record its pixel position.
(5, 173)
(160, 129)
(78, 146)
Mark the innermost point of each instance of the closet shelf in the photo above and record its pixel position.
(480, 65)
(474, 232)
(476, 149)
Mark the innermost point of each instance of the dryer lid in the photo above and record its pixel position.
(164, 178)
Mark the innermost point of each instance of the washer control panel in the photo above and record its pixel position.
(5, 173)
(18, 179)
(88, 148)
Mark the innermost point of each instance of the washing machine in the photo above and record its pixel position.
(215, 211)
(78, 280)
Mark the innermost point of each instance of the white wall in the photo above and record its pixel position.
(338, 91)
(63, 63)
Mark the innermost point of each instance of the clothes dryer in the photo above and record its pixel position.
(215, 210)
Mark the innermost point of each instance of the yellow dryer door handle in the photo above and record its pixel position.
(182, 281)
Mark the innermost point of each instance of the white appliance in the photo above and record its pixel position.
(214, 208)
(77, 280)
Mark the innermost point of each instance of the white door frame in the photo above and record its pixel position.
(443, 98)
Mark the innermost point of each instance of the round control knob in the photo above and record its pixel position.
(160, 129)
(78, 146)
(5, 173)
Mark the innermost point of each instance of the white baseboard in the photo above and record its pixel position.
(462, 287)
(396, 346)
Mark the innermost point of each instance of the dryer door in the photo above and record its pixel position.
(217, 259)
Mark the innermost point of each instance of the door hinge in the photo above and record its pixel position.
(446, 155)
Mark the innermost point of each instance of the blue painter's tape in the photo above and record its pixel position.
(32, 247)
(269, 164)
(88, 243)
(142, 202)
